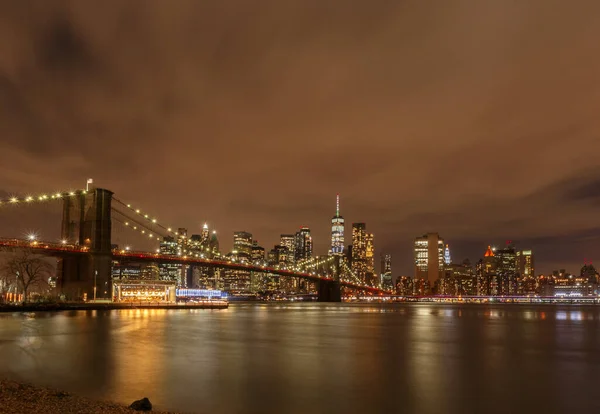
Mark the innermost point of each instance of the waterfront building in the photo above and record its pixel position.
(126, 271)
(421, 287)
(153, 291)
(588, 271)
(565, 284)
(337, 231)
(429, 257)
(404, 286)
(459, 280)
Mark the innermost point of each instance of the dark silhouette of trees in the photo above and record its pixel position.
(28, 271)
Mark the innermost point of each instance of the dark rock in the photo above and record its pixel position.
(141, 405)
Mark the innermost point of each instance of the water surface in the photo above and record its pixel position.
(317, 358)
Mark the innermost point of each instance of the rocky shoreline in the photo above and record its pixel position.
(17, 398)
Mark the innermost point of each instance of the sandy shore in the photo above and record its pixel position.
(25, 398)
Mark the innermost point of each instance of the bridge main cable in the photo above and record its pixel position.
(142, 216)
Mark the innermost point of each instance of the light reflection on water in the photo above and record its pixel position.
(318, 358)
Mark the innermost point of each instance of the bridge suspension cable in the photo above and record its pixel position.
(351, 273)
(15, 200)
(141, 229)
(143, 216)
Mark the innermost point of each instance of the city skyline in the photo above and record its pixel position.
(404, 260)
(480, 148)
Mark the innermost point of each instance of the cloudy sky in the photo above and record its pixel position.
(476, 119)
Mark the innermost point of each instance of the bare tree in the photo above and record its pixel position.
(28, 271)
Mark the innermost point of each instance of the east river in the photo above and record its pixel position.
(317, 358)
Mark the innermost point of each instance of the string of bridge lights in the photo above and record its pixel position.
(356, 279)
(143, 215)
(40, 198)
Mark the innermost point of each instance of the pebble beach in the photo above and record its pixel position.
(16, 397)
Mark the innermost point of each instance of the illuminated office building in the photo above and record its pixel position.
(429, 257)
(387, 281)
(242, 245)
(303, 244)
(279, 256)
(486, 273)
(359, 264)
(213, 244)
(337, 231)
(459, 280)
(506, 271)
(205, 236)
(258, 253)
(126, 271)
(371, 277)
(289, 241)
(447, 258)
(526, 263)
(169, 271)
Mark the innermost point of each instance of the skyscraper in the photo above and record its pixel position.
(429, 257)
(526, 263)
(387, 281)
(258, 253)
(337, 231)
(486, 273)
(371, 278)
(183, 247)
(303, 244)
(447, 258)
(213, 244)
(289, 241)
(359, 251)
(506, 270)
(205, 235)
(242, 245)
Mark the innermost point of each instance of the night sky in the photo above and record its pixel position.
(476, 119)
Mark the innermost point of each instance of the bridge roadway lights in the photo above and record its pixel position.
(329, 291)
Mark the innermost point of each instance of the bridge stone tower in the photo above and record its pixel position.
(87, 222)
(331, 291)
